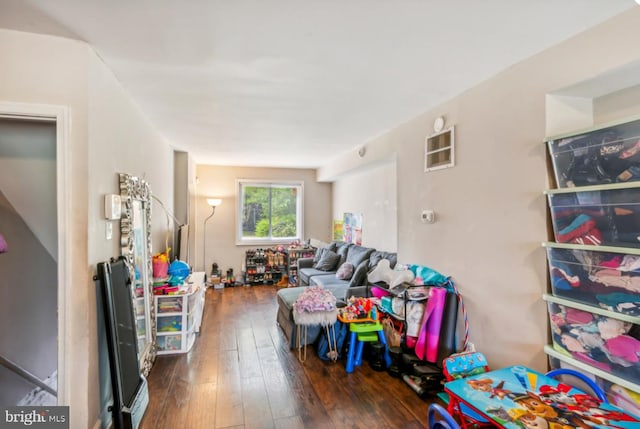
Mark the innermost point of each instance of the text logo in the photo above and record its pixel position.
(53, 417)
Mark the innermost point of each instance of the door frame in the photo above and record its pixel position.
(61, 116)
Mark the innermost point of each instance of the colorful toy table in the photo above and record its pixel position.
(518, 397)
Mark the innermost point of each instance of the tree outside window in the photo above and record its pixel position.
(269, 211)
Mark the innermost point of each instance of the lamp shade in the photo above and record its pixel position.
(214, 202)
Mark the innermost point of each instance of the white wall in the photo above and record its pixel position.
(29, 146)
(49, 70)
(219, 181)
(121, 140)
(490, 208)
(108, 135)
(378, 207)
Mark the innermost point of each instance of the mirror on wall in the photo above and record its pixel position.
(135, 240)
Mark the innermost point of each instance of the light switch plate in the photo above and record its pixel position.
(112, 206)
(109, 231)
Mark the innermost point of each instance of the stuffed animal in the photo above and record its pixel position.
(383, 273)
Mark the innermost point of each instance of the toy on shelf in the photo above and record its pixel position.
(160, 264)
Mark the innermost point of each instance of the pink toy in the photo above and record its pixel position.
(3, 244)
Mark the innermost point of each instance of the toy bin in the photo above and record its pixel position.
(170, 304)
(602, 156)
(607, 280)
(602, 217)
(602, 342)
(169, 342)
(169, 324)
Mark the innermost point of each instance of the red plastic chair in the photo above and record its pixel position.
(462, 365)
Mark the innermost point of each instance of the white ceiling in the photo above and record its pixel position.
(292, 83)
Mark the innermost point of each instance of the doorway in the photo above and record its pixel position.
(28, 224)
(35, 265)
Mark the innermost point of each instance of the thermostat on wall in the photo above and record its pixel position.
(112, 206)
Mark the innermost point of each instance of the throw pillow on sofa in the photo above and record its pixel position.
(345, 271)
(328, 261)
(317, 256)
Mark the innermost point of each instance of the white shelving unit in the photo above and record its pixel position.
(178, 317)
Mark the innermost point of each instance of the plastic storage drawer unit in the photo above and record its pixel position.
(610, 216)
(603, 156)
(604, 279)
(605, 343)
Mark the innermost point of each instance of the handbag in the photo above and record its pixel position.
(391, 333)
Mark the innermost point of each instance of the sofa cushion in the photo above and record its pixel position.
(378, 255)
(357, 254)
(345, 271)
(328, 261)
(305, 275)
(343, 250)
(318, 255)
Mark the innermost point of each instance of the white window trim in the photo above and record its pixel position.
(451, 147)
(240, 241)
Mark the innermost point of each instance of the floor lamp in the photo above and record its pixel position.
(213, 202)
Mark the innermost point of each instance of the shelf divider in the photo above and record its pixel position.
(596, 310)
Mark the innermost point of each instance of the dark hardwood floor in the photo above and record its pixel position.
(241, 374)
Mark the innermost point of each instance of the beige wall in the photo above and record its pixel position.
(378, 208)
(108, 135)
(49, 70)
(218, 181)
(490, 208)
(121, 140)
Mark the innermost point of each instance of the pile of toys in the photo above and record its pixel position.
(358, 308)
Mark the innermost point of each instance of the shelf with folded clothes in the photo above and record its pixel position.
(553, 353)
(604, 277)
(624, 397)
(609, 153)
(599, 339)
(591, 309)
(598, 215)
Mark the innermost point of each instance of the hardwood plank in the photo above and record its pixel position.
(257, 413)
(248, 355)
(175, 414)
(229, 407)
(294, 422)
(202, 409)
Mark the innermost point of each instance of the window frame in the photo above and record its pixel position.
(267, 241)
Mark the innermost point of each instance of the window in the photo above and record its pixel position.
(439, 150)
(269, 212)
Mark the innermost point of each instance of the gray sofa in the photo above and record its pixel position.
(363, 259)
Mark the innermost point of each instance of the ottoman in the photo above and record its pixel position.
(285, 298)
